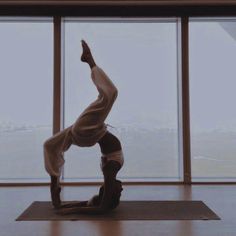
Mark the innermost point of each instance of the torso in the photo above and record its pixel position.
(109, 143)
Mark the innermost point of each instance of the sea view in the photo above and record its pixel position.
(149, 154)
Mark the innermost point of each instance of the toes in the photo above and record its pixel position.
(85, 46)
(84, 43)
(83, 58)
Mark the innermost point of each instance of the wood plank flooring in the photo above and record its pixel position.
(220, 198)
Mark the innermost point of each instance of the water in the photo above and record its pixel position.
(149, 153)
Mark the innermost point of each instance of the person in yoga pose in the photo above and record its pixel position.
(88, 130)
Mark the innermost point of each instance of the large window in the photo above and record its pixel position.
(26, 73)
(140, 56)
(212, 89)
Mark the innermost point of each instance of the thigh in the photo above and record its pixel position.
(59, 139)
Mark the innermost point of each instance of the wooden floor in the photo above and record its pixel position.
(220, 198)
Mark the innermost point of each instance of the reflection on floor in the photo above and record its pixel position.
(220, 198)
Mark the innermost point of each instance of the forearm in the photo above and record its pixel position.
(74, 204)
(104, 84)
(54, 181)
(83, 210)
(55, 191)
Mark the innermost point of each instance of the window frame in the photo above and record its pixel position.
(146, 9)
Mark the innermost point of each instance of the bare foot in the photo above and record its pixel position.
(87, 55)
(74, 204)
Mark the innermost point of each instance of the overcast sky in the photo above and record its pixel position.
(141, 59)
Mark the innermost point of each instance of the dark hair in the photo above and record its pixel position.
(115, 196)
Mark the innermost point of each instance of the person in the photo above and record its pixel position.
(88, 130)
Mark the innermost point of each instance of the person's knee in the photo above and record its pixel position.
(47, 145)
(114, 94)
(110, 95)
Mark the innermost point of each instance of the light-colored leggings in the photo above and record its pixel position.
(88, 128)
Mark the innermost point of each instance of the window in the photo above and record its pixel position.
(140, 56)
(212, 93)
(26, 74)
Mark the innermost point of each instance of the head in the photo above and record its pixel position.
(115, 196)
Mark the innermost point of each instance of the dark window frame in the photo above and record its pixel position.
(158, 8)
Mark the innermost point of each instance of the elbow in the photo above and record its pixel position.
(47, 145)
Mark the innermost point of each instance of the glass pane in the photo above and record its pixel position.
(212, 89)
(141, 59)
(26, 74)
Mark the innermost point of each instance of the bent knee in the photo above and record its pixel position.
(111, 95)
(47, 145)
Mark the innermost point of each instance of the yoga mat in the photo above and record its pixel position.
(128, 210)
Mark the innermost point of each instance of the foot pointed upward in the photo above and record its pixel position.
(87, 55)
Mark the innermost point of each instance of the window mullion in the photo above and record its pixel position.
(185, 100)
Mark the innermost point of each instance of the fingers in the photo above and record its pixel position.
(67, 205)
(85, 45)
(63, 212)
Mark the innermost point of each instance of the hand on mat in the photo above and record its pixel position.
(68, 210)
(73, 204)
(91, 210)
(86, 55)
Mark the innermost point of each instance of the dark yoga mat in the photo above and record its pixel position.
(129, 210)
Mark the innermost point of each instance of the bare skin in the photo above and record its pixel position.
(112, 188)
(87, 56)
